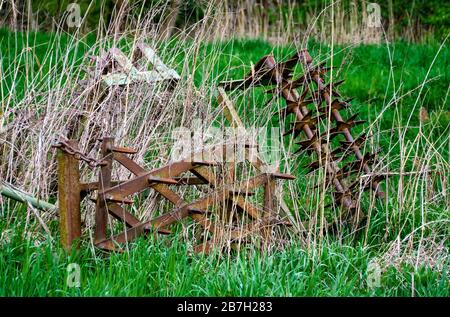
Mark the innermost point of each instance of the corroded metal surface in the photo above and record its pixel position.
(69, 197)
(299, 95)
(113, 196)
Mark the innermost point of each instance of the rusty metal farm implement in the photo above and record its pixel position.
(223, 207)
(308, 94)
(225, 213)
(112, 196)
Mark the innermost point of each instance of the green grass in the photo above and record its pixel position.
(152, 268)
(167, 267)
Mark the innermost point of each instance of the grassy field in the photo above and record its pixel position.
(407, 236)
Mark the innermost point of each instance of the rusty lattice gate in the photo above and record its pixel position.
(225, 212)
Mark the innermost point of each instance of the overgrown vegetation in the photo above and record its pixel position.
(400, 88)
(412, 20)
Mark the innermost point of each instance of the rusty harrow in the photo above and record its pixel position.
(202, 168)
(300, 94)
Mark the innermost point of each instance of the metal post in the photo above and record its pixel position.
(104, 182)
(269, 192)
(69, 197)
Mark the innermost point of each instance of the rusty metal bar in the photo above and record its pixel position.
(267, 230)
(104, 181)
(69, 197)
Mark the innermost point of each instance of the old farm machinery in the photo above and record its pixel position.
(316, 108)
(213, 211)
(224, 190)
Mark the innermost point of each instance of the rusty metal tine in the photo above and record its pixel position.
(189, 181)
(261, 75)
(162, 180)
(124, 150)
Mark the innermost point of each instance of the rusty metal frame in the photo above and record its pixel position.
(111, 195)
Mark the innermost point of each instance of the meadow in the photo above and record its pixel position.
(407, 232)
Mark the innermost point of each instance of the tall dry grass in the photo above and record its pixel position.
(143, 116)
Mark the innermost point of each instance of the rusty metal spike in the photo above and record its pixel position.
(297, 131)
(358, 185)
(335, 105)
(332, 134)
(314, 70)
(312, 167)
(337, 151)
(353, 117)
(292, 105)
(336, 94)
(120, 200)
(319, 70)
(369, 158)
(307, 145)
(317, 97)
(326, 88)
(333, 84)
(338, 196)
(342, 125)
(277, 175)
(358, 142)
(350, 123)
(328, 180)
(343, 174)
(366, 185)
(306, 116)
(291, 62)
(307, 120)
(288, 132)
(346, 146)
(358, 164)
(261, 75)
(300, 81)
(347, 101)
(162, 180)
(338, 83)
(124, 150)
(358, 122)
(320, 162)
